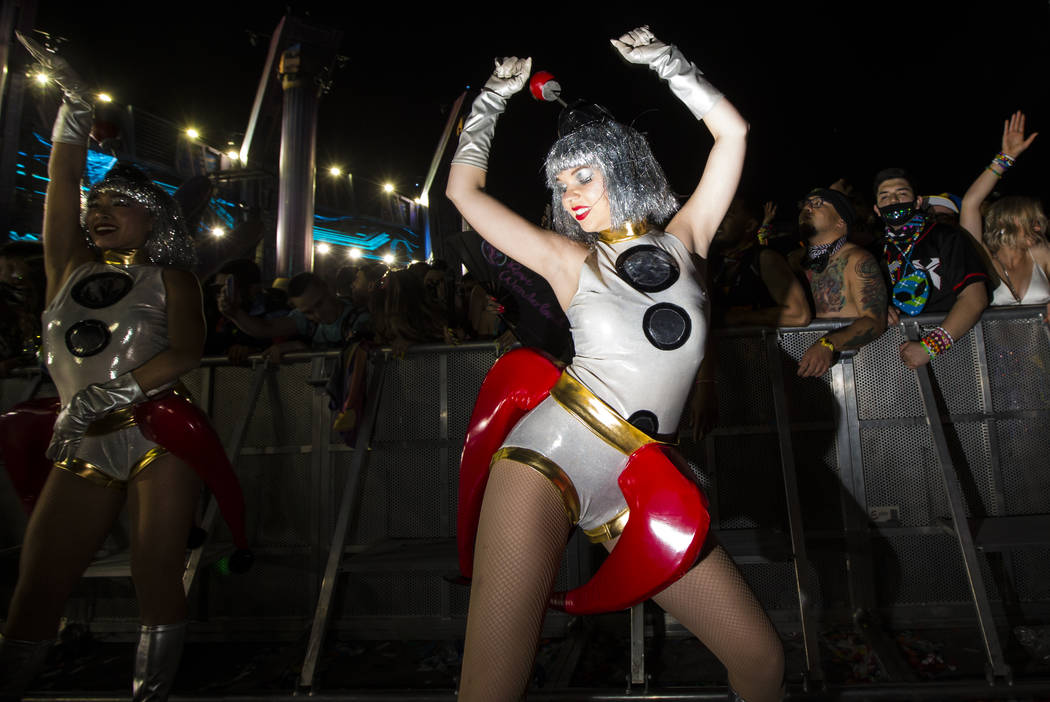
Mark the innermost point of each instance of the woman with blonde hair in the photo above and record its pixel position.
(1012, 232)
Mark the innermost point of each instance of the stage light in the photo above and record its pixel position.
(192, 133)
(388, 259)
(355, 253)
(388, 188)
(42, 78)
(218, 231)
(233, 155)
(105, 97)
(335, 171)
(323, 248)
(424, 200)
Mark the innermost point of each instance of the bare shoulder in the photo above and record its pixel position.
(860, 261)
(181, 282)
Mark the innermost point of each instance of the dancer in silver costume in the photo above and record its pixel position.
(123, 321)
(619, 264)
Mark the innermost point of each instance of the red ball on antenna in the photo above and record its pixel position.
(544, 87)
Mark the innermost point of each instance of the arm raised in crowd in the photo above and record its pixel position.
(1014, 143)
(65, 246)
(698, 219)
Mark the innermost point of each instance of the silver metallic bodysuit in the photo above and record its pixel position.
(639, 320)
(107, 320)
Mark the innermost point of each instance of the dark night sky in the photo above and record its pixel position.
(830, 90)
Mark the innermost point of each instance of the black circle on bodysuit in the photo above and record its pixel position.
(666, 326)
(647, 268)
(645, 421)
(101, 289)
(87, 337)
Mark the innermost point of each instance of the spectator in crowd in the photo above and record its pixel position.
(844, 279)
(944, 208)
(752, 284)
(930, 266)
(403, 316)
(242, 280)
(344, 281)
(21, 303)
(319, 317)
(1013, 233)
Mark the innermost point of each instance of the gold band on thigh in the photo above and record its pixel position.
(610, 530)
(570, 499)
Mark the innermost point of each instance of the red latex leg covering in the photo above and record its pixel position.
(25, 432)
(661, 542)
(519, 380)
(184, 430)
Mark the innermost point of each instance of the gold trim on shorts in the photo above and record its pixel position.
(631, 230)
(599, 417)
(610, 530)
(147, 458)
(93, 474)
(548, 469)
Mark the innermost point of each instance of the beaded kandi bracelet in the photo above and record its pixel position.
(937, 341)
(1003, 160)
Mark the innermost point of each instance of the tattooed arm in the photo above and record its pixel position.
(866, 292)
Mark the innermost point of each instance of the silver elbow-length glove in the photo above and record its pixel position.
(76, 115)
(687, 82)
(475, 141)
(91, 403)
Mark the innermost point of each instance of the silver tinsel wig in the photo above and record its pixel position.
(634, 182)
(169, 244)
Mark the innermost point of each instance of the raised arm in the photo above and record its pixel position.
(550, 255)
(65, 246)
(696, 222)
(1013, 144)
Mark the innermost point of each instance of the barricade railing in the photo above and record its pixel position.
(858, 526)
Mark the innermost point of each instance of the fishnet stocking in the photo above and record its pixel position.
(715, 603)
(521, 537)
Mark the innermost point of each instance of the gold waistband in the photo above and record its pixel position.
(599, 417)
(125, 416)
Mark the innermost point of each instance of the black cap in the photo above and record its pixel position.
(839, 201)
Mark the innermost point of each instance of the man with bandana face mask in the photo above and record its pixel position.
(930, 267)
(843, 279)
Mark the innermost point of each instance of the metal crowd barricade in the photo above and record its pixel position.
(835, 495)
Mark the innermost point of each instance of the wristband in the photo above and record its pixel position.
(823, 341)
(937, 341)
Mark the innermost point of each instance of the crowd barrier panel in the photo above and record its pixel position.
(868, 537)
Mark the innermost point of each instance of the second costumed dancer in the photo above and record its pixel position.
(549, 450)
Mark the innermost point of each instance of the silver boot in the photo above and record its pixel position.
(19, 663)
(156, 661)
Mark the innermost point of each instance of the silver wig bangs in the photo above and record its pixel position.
(634, 182)
(169, 244)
